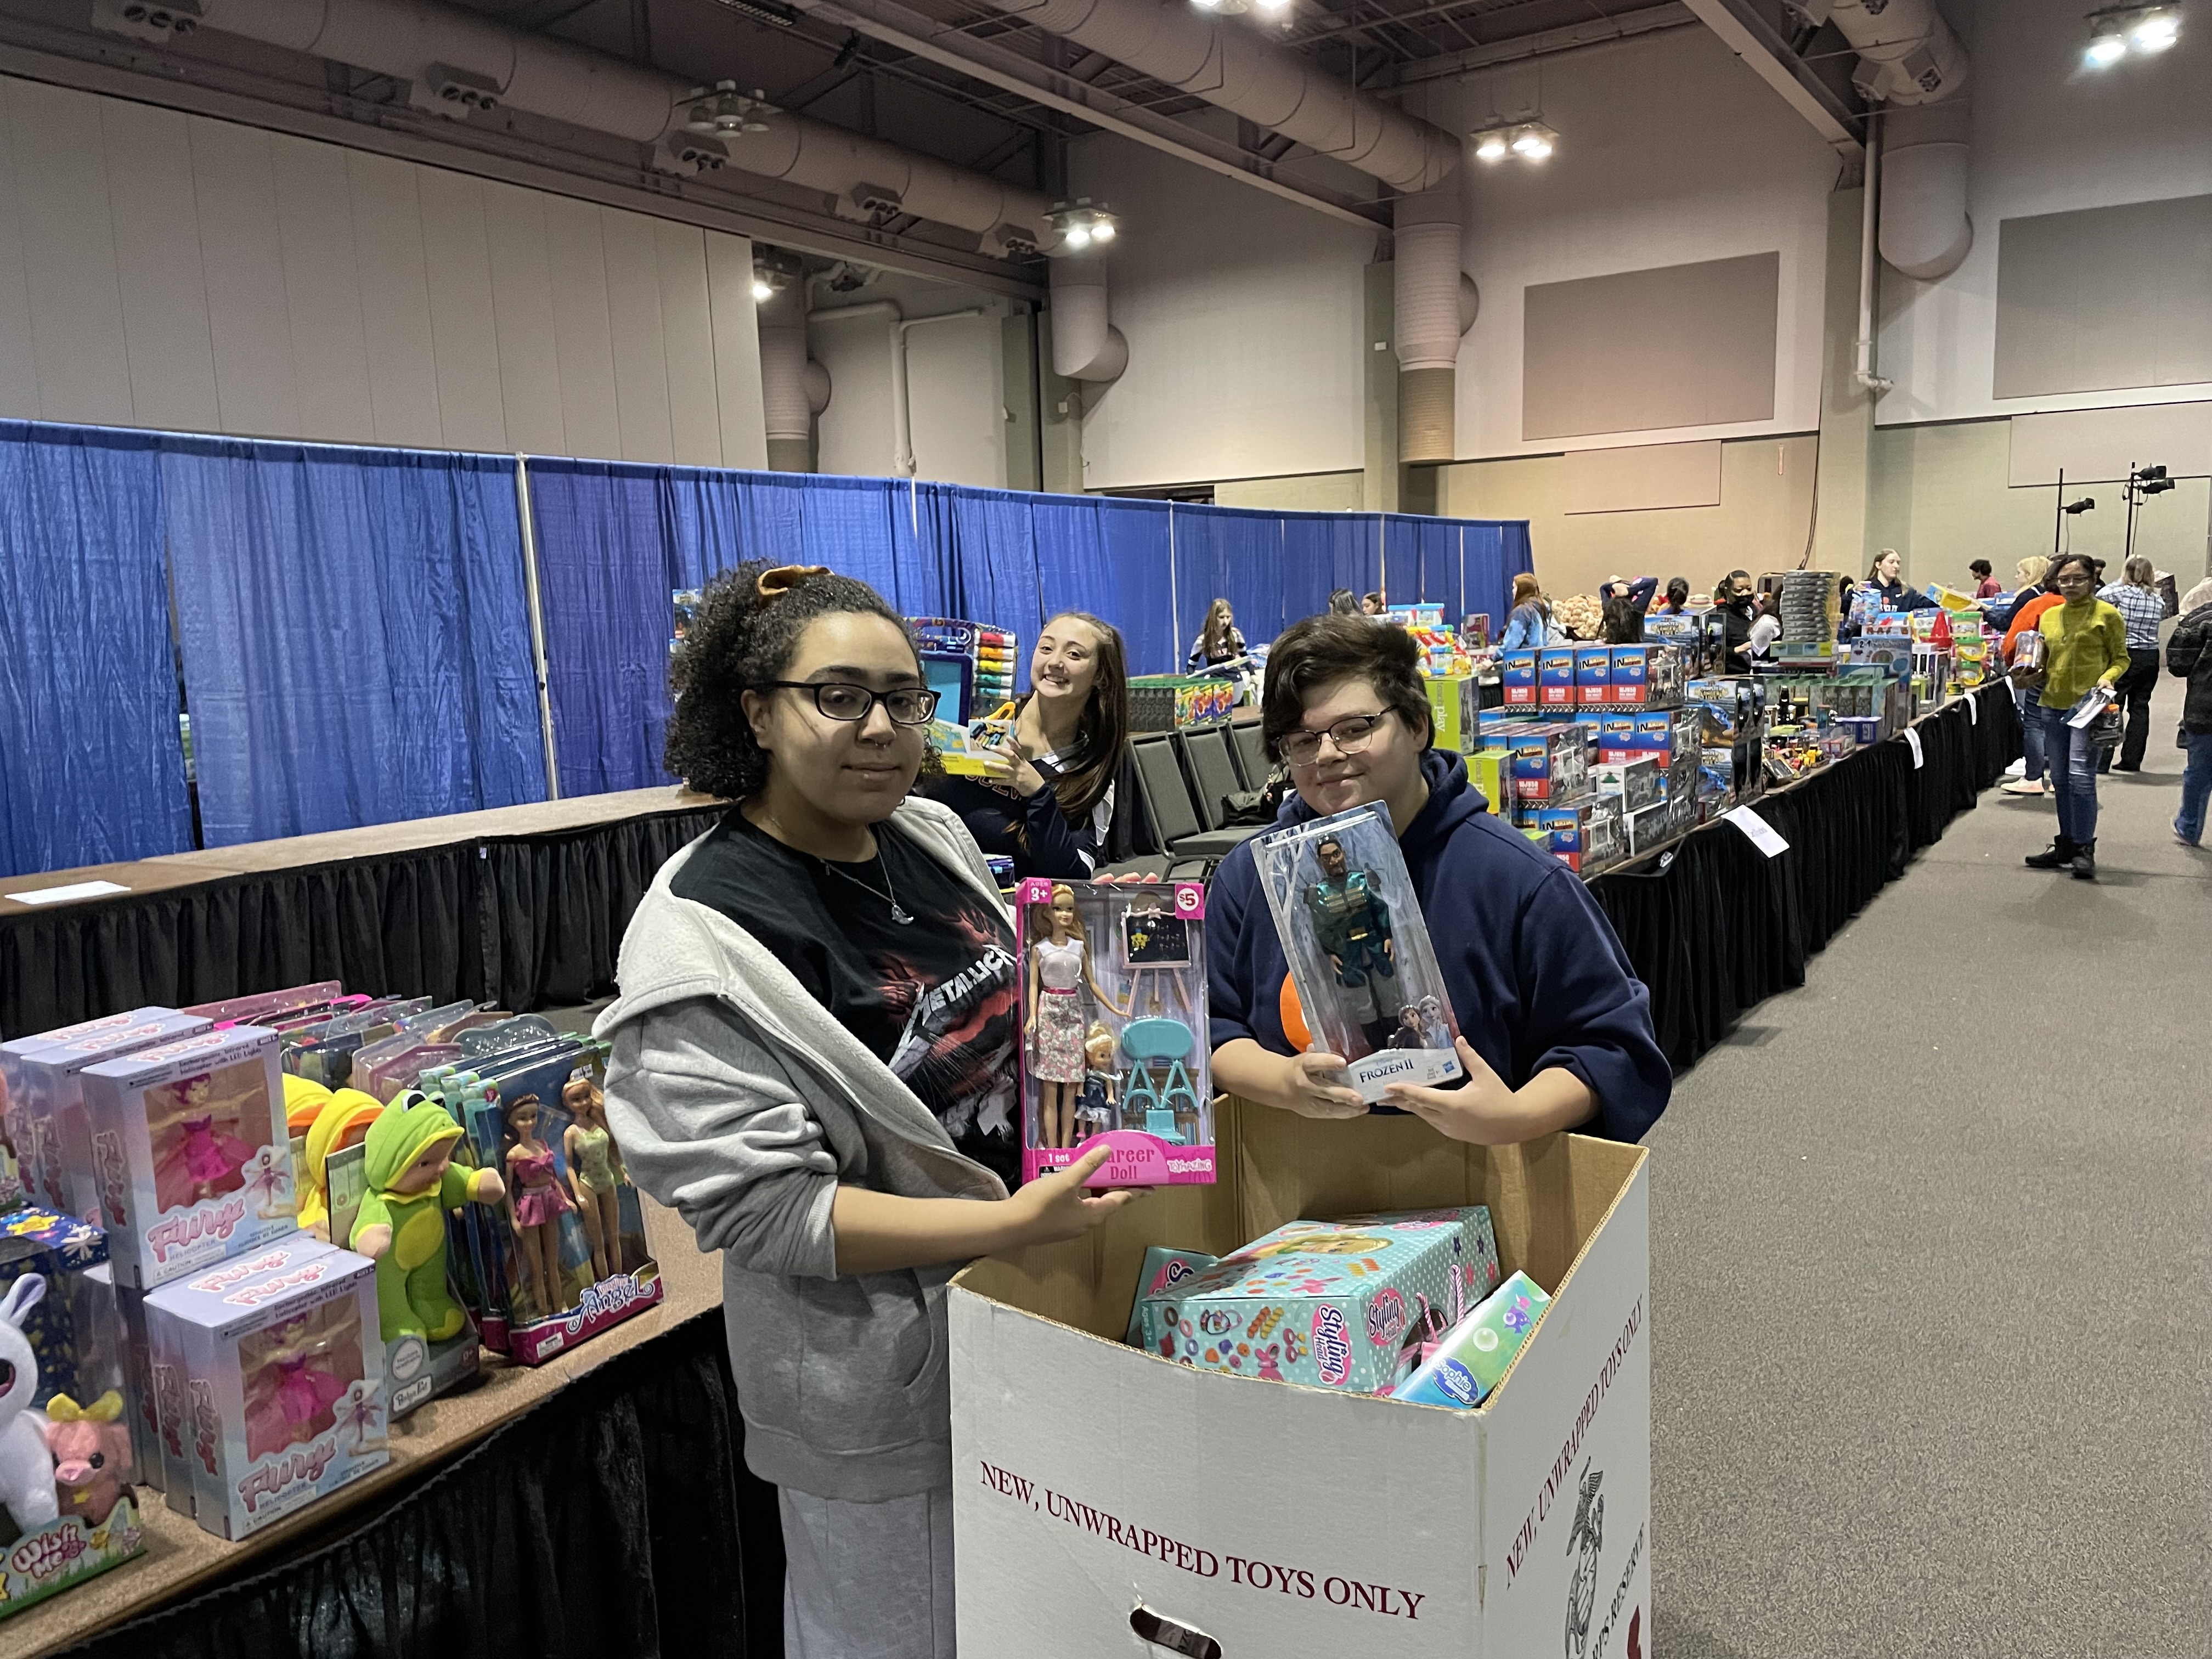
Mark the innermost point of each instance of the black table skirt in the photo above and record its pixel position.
(1717, 927)
(526, 922)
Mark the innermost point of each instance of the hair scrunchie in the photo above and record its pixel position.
(773, 584)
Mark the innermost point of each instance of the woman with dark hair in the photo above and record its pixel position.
(1677, 599)
(1556, 1031)
(1371, 605)
(1048, 799)
(813, 1061)
(1622, 623)
(1219, 641)
(2085, 646)
(1986, 585)
(1529, 624)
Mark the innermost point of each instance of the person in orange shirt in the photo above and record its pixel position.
(2027, 611)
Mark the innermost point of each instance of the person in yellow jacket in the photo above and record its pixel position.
(412, 1183)
(2085, 645)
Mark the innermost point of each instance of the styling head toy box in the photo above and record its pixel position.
(1292, 1521)
(281, 1400)
(1343, 1305)
(192, 1159)
(1114, 1030)
(66, 1462)
(1368, 986)
(45, 1120)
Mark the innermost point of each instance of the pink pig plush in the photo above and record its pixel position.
(91, 1446)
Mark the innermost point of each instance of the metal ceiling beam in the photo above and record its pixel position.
(38, 53)
(1750, 29)
(1553, 43)
(1000, 66)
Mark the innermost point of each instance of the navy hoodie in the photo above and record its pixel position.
(1536, 976)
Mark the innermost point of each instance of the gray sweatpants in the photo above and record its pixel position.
(867, 1581)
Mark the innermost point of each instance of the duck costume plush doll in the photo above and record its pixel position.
(401, 1227)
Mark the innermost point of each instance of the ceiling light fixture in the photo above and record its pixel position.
(1083, 223)
(762, 293)
(1224, 8)
(721, 110)
(1532, 141)
(2116, 31)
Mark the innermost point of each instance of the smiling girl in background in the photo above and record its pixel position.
(1048, 800)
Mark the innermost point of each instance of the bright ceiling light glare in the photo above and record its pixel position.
(1532, 141)
(1531, 145)
(2105, 49)
(1083, 223)
(2155, 32)
(1489, 147)
(1223, 8)
(761, 292)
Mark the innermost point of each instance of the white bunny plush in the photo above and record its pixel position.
(27, 1467)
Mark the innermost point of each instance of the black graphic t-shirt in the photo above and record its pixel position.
(934, 999)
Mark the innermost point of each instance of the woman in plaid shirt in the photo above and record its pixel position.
(2143, 607)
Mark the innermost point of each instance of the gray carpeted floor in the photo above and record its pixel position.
(1932, 1287)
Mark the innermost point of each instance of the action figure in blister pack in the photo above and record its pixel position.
(1365, 974)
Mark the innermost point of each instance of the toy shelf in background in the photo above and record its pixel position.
(1113, 1023)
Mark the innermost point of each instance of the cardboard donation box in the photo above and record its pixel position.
(1199, 1512)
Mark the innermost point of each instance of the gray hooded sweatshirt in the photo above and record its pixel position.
(738, 1101)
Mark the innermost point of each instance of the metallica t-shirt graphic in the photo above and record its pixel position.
(934, 999)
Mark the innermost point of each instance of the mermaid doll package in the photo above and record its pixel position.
(191, 1157)
(563, 1255)
(281, 1397)
(1115, 1047)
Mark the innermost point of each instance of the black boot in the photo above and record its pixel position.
(2057, 856)
(2085, 861)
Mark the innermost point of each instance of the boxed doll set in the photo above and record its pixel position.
(562, 1254)
(1475, 1354)
(66, 1458)
(44, 1083)
(268, 1375)
(1366, 976)
(1114, 1044)
(1336, 1304)
(191, 1157)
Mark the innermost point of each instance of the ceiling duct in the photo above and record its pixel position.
(1235, 68)
(1913, 65)
(455, 61)
(1085, 345)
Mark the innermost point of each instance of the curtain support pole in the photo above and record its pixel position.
(536, 623)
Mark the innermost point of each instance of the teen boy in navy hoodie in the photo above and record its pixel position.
(1555, 1029)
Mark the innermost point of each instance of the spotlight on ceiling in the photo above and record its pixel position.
(1532, 141)
(2086, 504)
(1275, 11)
(1224, 8)
(2116, 31)
(761, 292)
(721, 110)
(1083, 223)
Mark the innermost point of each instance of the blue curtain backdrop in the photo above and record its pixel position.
(355, 633)
(92, 767)
(615, 539)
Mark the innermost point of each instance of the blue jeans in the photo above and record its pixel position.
(2030, 731)
(2196, 789)
(2073, 760)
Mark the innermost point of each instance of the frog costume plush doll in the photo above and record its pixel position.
(412, 1183)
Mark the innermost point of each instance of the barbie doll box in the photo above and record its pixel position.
(191, 1159)
(1115, 1048)
(42, 1093)
(1186, 1509)
(282, 1396)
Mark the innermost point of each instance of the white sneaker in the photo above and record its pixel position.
(2018, 768)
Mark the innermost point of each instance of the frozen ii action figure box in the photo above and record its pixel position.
(1365, 973)
(1114, 1030)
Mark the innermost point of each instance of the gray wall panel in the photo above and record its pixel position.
(2104, 298)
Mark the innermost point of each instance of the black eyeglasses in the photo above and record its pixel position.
(1350, 734)
(842, 700)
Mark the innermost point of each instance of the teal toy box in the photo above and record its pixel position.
(1335, 1304)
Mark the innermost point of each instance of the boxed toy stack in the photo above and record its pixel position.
(42, 1090)
(1517, 673)
(1162, 702)
(1810, 606)
(1113, 997)
(66, 1454)
(1555, 677)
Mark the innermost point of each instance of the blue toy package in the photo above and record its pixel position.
(1517, 673)
(1164, 1269)
(269, 1372)
(1337, 1304)
(1475, 1356)
(1555, 676)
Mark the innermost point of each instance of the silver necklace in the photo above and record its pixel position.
(890, 898)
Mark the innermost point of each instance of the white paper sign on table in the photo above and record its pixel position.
(1760, 831)
(75, 889)
(1912, 740)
